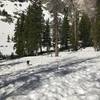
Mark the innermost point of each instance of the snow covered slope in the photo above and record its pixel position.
(13, 9)
(72, 76)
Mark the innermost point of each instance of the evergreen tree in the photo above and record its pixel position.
(29, 30)
(19, 36)
(33, 28)
(96, 31)
(64, 36)
(85, 29)
(46, 36)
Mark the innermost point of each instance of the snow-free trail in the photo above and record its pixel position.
(72, 76)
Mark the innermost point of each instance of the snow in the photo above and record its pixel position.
(71, 76)
(12, 8)
(6, 48)
(8, 28)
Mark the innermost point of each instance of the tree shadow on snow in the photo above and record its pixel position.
(22, 85)
(30, 79)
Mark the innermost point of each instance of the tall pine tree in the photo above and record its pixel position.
(33, 28)
(85, 30)
(19, 36)
(46, 36)
(96, 31)
(64, 36)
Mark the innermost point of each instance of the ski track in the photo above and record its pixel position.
(69, 79)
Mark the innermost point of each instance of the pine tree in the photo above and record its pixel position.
(96, 31)
(85, 29)
(64, 36)
(19, 36)
(46, 36)
(33, 28)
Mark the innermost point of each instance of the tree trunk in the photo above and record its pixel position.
(56, 32)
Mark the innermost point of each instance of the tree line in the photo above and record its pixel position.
(72, 32)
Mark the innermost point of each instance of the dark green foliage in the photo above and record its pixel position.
(73, 41)
(64, 36)
(19, 36)
(46, 40)
(85, 30)
(33, 28)
(29, 30)
(96, 29)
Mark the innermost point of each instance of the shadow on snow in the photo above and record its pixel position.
(32, 78)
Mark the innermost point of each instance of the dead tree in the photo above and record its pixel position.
(54, 6)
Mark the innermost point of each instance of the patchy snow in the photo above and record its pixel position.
(71, 76)
(13, 9)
